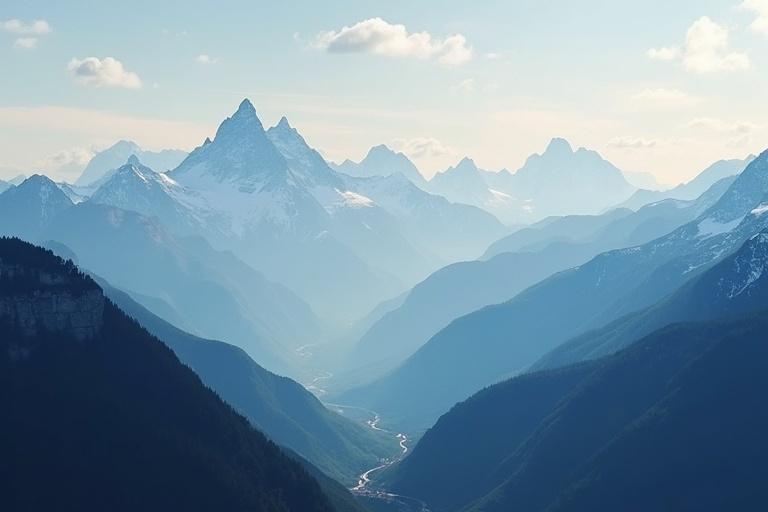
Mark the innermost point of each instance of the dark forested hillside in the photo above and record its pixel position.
(675, 422)
(110, 420)
(278, 406)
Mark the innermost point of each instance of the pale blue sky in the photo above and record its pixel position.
(538, 69)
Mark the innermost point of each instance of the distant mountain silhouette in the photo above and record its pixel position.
(503, 340)
(381, 161)
(105, 162)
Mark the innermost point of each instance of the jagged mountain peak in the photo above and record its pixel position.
(245, 109)
(133, 160)
(284, 124)
(306, 164)
(466, 163)
(381, 160)
(558, 145)
(381, 149)
(37, 180)
(284, 129)
(240, 152)
(744, 194)
(243, 123)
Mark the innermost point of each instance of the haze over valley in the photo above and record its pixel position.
(384, 258)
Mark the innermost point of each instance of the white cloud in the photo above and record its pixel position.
(38, 27)
(66, 162)
(29, 132)
(377, 36)
(421, 147)
(719, 125)
(493, 56)
(738, 133)
(466, 86)
(26, 43)
(663, 97)
(106, 72)
(759, 7)
(706, 49)
(665, 53)
(631, 143)
(206, 59)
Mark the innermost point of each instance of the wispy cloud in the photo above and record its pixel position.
(706, 49)
(422, 147)
(106, 72)
(379, 37)
(66, 162)
(738, 133)
(719, 125)
(632, 143)
(466, 86)
(206, 59)
(760, 8)
(25, 43)
(30, 32)
(665, 53)
(36, 27)
(665, 98)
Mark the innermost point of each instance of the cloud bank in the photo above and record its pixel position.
(379, 37)
(706, 50)
(106, 72)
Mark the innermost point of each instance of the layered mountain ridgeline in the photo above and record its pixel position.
(672, 423)
(215, 294)
(444, 230)
(509, 413)
(289, 216)
(515, 263)
(112, 420)
(616, 228)
(280, 407)
(272, 200)
(691, 189)
(560, 181)
(25, 211)
(736, 285)
(500, 341)
(381, 161)
(103, 163)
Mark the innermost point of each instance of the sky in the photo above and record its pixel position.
(656, 86)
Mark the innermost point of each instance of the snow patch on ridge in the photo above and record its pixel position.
(355, 200)
(710, 227)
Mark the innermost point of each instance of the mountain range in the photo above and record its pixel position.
(215, 294)
(381, 161)
(68, 357)
(511, 265)
(272, 200)
(278, 406)
(104, 162)
(672, 422)
(691, 189)
(686, 391)
(559, 181)
(505, 339)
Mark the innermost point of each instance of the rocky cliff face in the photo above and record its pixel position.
(34, 302)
